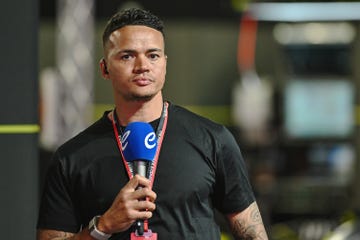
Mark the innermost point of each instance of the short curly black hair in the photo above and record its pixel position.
(132, 16)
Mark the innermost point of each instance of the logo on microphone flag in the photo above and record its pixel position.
(150, 140)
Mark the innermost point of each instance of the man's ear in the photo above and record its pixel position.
(104, 69)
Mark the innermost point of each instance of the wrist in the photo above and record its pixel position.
(103, 226)
(96, 232)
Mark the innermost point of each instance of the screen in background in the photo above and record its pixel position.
(319, 108)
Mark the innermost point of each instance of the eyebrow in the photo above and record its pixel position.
(134, 51)
(155, 50)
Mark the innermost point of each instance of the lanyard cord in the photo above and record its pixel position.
(160, 132)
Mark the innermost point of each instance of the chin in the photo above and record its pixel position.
(142, 98)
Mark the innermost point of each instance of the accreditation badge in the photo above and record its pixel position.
(148, 235)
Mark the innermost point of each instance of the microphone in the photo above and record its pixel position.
(139, 144)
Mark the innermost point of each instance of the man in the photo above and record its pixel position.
(199, 167)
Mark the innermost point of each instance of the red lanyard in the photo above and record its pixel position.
(160, 132)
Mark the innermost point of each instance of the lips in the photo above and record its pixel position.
(142, 81)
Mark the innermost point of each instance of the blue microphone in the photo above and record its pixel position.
(139, 144)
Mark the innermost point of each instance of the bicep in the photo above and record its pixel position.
(46, 234)
(248, 223)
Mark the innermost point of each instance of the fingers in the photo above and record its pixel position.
(141, 210)
(132, 192)
(144, 215)
(143, 205)
(144, 194)
(138, 180)
(130, 204)
(142, 199)
(140, 193)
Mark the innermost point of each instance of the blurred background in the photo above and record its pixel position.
(282, 76)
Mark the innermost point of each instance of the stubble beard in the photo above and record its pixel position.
(133, 96)
(140, 98)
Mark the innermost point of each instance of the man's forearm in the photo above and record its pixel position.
(44, 234)
(248, 225)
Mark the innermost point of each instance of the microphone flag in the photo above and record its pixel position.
(139, 142)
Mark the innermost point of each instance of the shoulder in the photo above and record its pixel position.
(89, 142)
(183, 114)
(99, 129)
(187, 119)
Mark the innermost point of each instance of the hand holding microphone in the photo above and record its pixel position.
(139, 146)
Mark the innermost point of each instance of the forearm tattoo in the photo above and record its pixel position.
(54, 235)
(250, 226)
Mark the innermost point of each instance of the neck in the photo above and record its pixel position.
(141, 111)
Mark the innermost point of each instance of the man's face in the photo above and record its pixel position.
(135, 63)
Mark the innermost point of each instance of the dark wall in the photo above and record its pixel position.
(163, 8)
(18, 119)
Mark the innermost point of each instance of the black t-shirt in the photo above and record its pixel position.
(200, 168)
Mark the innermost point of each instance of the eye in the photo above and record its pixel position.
(126, 57)
(154, 56)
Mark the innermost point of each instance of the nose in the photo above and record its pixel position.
(141, 64)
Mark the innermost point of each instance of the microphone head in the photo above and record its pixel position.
(139, 142)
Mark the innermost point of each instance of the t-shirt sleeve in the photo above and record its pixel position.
(233, 192)
(57, 207)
